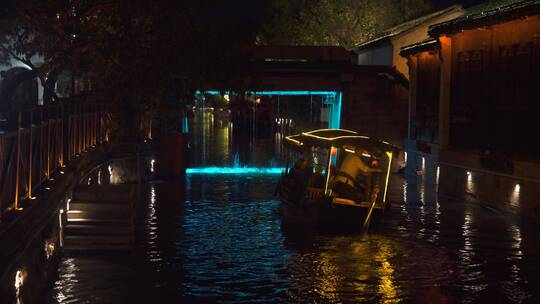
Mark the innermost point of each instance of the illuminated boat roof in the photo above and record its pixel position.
(336, 138)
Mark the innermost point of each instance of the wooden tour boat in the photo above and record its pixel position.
(333, 198)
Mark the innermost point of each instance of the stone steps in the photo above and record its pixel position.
(116, 214)
(97, 242)
(93, 229)
(100, 218)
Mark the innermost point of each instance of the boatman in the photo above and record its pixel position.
(345, 182)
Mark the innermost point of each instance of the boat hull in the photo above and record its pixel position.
(322, 214)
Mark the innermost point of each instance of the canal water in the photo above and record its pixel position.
(218, 238)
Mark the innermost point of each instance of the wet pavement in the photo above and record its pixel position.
(218, 238)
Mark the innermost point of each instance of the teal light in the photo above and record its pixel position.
(185, 123)
(335, 112)
(335, 120)
(234, 170)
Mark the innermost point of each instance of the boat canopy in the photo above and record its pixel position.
(338, 138)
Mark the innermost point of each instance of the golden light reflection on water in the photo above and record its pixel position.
(361, 270)
(329, 281)
(387, 287)
(384, 271)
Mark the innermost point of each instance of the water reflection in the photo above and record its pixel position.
(219, 238)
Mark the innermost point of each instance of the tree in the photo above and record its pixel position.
(335, 22)
(144, 55)
(17, 41)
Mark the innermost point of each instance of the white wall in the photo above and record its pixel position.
(381, 55)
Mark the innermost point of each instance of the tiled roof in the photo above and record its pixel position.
(403, 27)
(488, 13)
(424, 45)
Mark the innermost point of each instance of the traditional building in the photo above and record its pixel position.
(473, 106)
(384, 49)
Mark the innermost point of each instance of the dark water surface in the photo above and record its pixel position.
(218, 238)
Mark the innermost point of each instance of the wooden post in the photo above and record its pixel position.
(61, 123)
(444, 95)
(48, 144)
(80, 119)
(85, 128)
(17, 161)
(70, 134)
(78, 129)
(30, 156)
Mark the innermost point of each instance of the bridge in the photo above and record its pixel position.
(375, 97)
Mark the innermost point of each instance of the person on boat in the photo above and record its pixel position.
(345, 182)
(316, 180)
(299, 176)
(298, 167)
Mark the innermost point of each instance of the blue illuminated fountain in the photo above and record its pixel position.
(236, 169)
(332, 98)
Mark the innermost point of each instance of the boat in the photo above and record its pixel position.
(325, 204)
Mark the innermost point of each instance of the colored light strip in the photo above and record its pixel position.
(332, 129)
(329, 169)
(333, 138)
(234, 170)
(335, 121)
(387, 174)
(287, 93)
(294, 141)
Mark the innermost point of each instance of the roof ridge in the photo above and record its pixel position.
(477, 13)
(390, 32)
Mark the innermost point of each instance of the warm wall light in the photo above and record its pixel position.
(517, 188)
(19, 281)
(61, 227)
(49, 249)
(152, 162)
